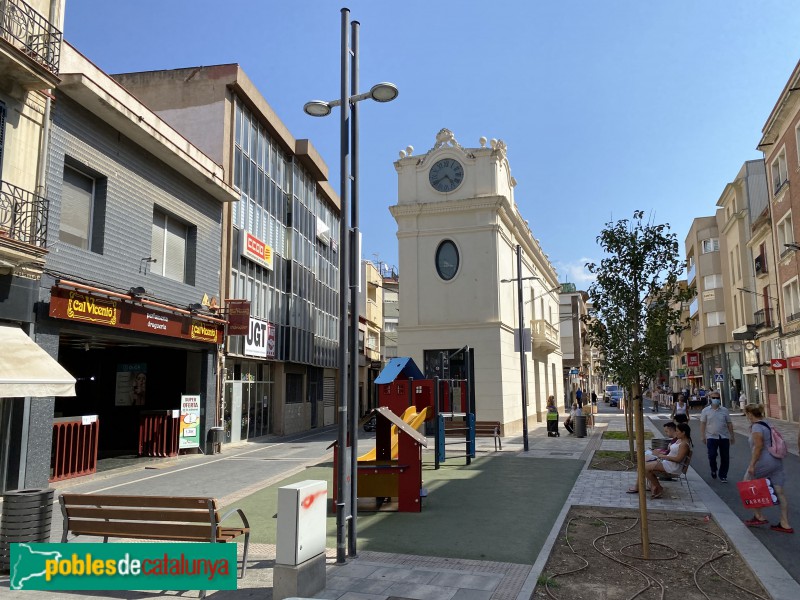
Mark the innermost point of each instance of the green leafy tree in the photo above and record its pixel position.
(635, 303)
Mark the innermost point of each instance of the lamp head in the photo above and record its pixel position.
(137, 291)
(195, 307)
(317, 108)
(384, 92)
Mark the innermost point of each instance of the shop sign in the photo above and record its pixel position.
(794, 362)
(778, 363)
(709, 295)
(238, 317)
(73, 305)
(190, 422)
(750, 370)
(82, 307)
(260, 341)
(692, 359)
(256, 250)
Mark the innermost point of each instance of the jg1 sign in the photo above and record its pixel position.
(260, 341)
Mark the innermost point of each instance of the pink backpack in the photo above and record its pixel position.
(778, 446)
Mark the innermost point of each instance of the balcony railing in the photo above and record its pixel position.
(762, 318)
(30, 32)
(544, 336)
(23, 215)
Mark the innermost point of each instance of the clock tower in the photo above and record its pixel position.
(458, 227)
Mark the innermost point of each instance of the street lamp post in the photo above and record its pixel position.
(349, 263)
(523, 364)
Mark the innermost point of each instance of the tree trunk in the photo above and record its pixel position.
(639, 427)
(628, 414)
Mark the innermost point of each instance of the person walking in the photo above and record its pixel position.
(764, 464)
(716, 430)
(679, 408)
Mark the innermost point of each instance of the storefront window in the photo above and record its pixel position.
(248, 401)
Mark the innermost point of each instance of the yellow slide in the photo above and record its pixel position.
(410, 416)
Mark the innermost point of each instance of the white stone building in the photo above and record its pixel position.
(458, 230)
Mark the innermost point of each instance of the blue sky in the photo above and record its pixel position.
(606, 106)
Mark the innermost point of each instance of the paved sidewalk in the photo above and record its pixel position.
(380, 576)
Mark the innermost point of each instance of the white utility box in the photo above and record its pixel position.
(302, 509)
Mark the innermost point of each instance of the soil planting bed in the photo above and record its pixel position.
(597, 556)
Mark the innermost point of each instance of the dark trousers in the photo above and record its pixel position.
(723, 446)
(569, 425)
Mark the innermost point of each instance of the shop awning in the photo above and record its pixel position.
(28, 371)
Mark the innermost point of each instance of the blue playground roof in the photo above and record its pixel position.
(399, 368)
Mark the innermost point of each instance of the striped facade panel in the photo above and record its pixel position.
(136, 183)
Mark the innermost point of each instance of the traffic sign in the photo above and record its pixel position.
(718, 369)
(719, 377)
(574, 371)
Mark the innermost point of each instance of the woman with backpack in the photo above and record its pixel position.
(767, 449)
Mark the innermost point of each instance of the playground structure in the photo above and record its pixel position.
(393, 469)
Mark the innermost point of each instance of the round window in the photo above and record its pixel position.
(447, 260)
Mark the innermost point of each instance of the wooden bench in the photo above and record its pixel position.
(174, 518)
(482, 429)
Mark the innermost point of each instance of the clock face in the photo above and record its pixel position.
(447, 260)
(446, 175)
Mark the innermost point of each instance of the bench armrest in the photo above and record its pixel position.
(241, 515)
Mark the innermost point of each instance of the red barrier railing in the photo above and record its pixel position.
(74, 449)
(158, 433)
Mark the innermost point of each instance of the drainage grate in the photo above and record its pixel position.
(562, 453)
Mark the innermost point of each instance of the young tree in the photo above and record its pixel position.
(635, 303)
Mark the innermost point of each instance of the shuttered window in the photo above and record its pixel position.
(169, 245)
(77, 198)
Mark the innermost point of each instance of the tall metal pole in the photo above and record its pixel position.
(342, 463)
(355, 265)
(523, 363)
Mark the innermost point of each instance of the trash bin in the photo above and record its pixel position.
(26, 517)
(215, 437)
(580, 426)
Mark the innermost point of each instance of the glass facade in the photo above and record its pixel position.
(281, 206)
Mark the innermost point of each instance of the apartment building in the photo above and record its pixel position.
(780, 143)
(30, 59)
(707, 363)
(136, 228)
(576, 356)
(370, 324)
(742, 198)
(679, 344)
(391, 312)
(280, 248)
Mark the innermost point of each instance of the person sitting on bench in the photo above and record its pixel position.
(569, 423)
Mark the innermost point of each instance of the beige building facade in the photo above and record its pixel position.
(458, 229)
(780, 144)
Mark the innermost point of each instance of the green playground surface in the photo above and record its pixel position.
(499, 508)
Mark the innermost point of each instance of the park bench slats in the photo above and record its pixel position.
(173, 518)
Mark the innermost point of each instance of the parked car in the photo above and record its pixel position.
(613, 395)
(371, 424)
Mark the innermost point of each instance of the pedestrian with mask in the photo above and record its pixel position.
(716, 431)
